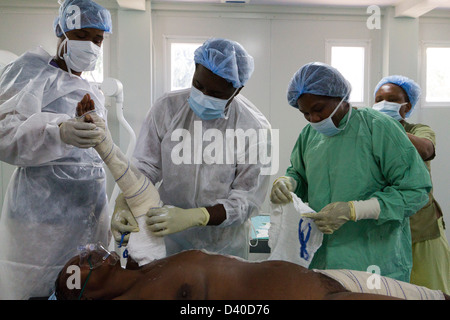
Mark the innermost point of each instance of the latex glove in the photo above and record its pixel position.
(168, 219)
(105, 143)
(86, 113)
(123, 220)
(335, 214)
(79, 134)
(281, 190)
(332, 216)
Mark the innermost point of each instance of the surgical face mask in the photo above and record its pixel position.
(392, 109)
(207, 107)
(327, 127)
(80, 55)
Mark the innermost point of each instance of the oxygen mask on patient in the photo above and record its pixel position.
(94, 255)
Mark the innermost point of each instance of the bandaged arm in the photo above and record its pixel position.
(138, 190)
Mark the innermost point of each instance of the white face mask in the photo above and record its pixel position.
(391, 109)
(327, 126)
(80, 55)
(207, 107)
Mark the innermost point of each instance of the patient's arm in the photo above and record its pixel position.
(139, 192)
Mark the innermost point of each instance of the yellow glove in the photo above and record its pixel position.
(335, 214)
(123, 221)
(332, 216)
(168, 219)
(281, 190)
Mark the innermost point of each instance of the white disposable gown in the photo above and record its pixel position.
(190, 157)
(56, 198)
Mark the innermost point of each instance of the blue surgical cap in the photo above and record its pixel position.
(319, 79)
(80, 14)
(411, 88)
(227, 59)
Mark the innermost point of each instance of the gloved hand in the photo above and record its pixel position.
(79, 134)
(168, 219)
(86, 114)
(122, 220)
(281, 190)
(335, 214)
(103, 142)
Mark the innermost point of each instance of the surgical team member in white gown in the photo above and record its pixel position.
(174, 146)
(56, 198)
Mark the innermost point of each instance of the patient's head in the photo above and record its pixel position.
(85, 275)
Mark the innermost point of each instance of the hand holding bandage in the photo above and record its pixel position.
(170, 219)
(281, 190)
(122, 221)
(335, 214)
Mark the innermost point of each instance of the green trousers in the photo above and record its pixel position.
(431, 263)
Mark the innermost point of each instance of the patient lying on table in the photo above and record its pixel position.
(199, 275)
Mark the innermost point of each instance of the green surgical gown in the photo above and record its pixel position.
(372, 157)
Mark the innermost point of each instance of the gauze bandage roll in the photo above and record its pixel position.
(292, 237)
(144, 247)
(140, 195)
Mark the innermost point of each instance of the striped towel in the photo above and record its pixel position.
(366, 282)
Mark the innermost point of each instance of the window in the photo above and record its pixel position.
(350, 62)
(179, 60)
(437, 75)
(182, 64)
(351, 59)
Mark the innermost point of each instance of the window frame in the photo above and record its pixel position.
(366, 44)
(167, 59)
(423, 74)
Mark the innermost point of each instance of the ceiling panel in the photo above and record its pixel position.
(347, 3)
